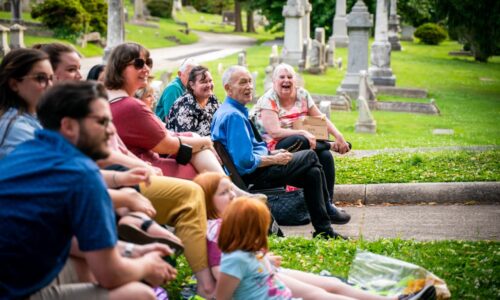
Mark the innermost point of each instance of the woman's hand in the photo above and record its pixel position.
(137, 202)
(340, 145)
(310, 138)
(132, 177)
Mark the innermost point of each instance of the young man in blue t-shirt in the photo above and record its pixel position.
(58, 235)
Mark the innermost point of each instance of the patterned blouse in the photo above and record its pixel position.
(271, 101)
(186, 115)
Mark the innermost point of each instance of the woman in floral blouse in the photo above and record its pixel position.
(194, 110)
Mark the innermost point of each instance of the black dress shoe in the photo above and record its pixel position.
(329, 234)
(339, 217)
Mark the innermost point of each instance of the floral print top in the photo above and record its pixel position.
(187, 115)
(270, 100)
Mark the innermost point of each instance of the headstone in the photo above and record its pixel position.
(317, 56)
(442, 131)
(325, 107)
(293, 12)
(138, 10)
(330, 53)
(306, 22)
(304, 61)
(339, 35)
(165, 79)
(26, 5)
(220, 69)
(228, 17)
(116, 26)
(407, 33)
(367, 90)
(358, 24)
(242, 59)
(366, 123)
(254, 86)
(17, 36)
(380, 70)
(273, 62)
(177, 5)
(4, 44)
(394, 28)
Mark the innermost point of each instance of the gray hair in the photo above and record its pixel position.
(228, 74)
(283, 66)
(188, 62)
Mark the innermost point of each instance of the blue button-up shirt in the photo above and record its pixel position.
(231, 127)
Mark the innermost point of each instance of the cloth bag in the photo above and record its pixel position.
(389, 276)
(289, 208)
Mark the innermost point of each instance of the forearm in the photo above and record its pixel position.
(334, 131)
(266, 161)
(281, 133)
(119, 198)
(197, 143)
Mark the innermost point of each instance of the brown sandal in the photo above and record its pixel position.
(133, 234)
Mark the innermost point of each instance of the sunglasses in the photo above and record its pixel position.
(42, 78)
(139, 63)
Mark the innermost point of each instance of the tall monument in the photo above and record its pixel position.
(339, 35)
(293, 12)
(116, 26)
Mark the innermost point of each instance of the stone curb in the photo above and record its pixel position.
(441, 192)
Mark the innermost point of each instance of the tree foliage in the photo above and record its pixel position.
(160, 8)
(212, 6)
(417, 12)
(70, 18)
(475, 22)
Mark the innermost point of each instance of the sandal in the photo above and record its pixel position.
(130, 233)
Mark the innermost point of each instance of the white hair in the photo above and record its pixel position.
(283, 66)
(188, 63)
(228, 74)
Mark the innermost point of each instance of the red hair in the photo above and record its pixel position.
(209, 182)
(244, 226)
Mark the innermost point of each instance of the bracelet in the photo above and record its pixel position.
(115, 184)
(129, 248)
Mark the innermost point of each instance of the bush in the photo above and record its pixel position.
(431, 34)
(67, 18)
(98, 11)
(160, 8)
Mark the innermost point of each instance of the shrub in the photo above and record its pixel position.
(98, 11)
(67, 18)
(160, 8)
(430, 34)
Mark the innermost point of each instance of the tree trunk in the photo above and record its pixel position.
(16, 11)
(250, 24)
(238, 26)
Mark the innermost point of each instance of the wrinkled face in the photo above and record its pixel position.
(223, 196)
(32, 85)
(284, 83)
(68, 67)
(184, 76)
(135, 77)
(95, 131)
(203, 87)
(240, 87)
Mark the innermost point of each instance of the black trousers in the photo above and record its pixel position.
(304, 171)
(299, 142)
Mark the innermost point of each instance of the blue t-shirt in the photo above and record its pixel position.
(49, 192)
(16, 128)
(256, 275)
(231, 127)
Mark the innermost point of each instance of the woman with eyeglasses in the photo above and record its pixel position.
(24, 75)
(65, 60)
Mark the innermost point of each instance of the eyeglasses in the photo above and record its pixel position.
(139, 63)
(103, 121)
(42, 78)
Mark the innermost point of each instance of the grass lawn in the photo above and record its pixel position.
(466, 92)
(470, 269)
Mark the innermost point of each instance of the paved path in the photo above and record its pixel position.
(209, 47)
(419, 222)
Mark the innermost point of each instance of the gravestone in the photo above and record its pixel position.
(358, 24)
(306, 22)
(228, 17)
(17, 36)
(177, 5)
(317, 56)
(366, 123)
(138, 10)
(4, 44)
(242, 59)
(116, 26)
(273, 62)
(380, 70)
(325, 107)
(407, 32)
(394, 28)
(339, 36)
(367, 90)
(293, 12)
(304, 61)
(255, 74)
(330, 53)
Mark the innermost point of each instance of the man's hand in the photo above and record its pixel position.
(159, 271)
(132, 177)
(282, 158)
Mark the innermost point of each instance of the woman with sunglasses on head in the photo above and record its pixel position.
(24, 75)
(65, 60)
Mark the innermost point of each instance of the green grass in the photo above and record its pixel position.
(443, 166)
(213, 23)
(470, 269)
(466, 92)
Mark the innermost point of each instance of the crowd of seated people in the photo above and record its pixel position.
(99, 167)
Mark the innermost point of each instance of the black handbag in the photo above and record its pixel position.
(289, 208)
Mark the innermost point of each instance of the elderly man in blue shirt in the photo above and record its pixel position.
(257, 166)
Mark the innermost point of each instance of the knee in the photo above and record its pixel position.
(137, 290)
